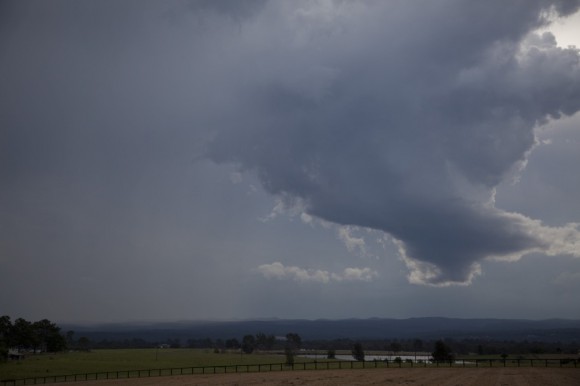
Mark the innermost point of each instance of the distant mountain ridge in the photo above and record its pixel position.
(549, 330)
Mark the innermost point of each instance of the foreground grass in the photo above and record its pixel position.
(119, 360)
(102, 361)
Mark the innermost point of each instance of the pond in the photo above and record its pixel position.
(370, 357)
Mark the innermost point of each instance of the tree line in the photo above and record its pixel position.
(42, 335)
(265, 342)
(46, 336)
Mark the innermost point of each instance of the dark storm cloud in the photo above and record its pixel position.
(404, 117)
(398, 116)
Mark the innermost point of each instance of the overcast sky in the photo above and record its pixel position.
(296, 159)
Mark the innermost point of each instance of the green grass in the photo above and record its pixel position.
(112, 361)
(119, 360)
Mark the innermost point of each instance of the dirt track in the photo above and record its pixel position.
(409, 377)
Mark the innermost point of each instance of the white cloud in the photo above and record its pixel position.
(279, 271)
(352, 243)
(289, 206)
(358, 274)
(306, 218)
(551, 241)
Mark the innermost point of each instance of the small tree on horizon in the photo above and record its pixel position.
(442, 352)
(248, 344)
(293, 343)
(331, 354)
(358, 353)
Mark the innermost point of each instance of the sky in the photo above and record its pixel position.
(187, 160)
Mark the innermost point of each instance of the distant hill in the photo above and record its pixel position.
(551, 330)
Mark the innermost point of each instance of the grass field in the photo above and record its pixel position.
(127, 360)
(118, 360)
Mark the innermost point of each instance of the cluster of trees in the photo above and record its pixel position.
(263, 341)
(442, 351)
(42, 335)
(459, 346)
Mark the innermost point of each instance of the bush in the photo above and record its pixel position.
(331, 354)
(289, 356)
(358, 353)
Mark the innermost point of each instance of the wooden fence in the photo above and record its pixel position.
(315, 365)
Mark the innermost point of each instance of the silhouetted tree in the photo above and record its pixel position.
(293, 343)
(248, 344)
(232, 343)
(264, 342)
(21, 333)
(442, 352)
(84, 343)
(5, 327)
(358, 352)
(46, 336)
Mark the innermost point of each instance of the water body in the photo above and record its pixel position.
(371, 357)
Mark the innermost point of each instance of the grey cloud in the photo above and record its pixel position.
(412, 127)
(397, 116)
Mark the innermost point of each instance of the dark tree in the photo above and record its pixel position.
(5, 328)
(21, 333)
(289, 353)
(294, 340)
(248, 344)
(442, 352)
(47, 337)
(293, 344)
(232, 343)
(358, 353)
(84, 343)
(264, 342)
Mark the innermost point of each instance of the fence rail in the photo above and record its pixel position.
(314, 365)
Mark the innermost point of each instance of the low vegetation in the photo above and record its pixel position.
(80, 362)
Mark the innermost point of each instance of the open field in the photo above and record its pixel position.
(392, 376)
(124, 359)
(155, 366)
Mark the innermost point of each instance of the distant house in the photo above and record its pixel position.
(15, 355)
(163, 345)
